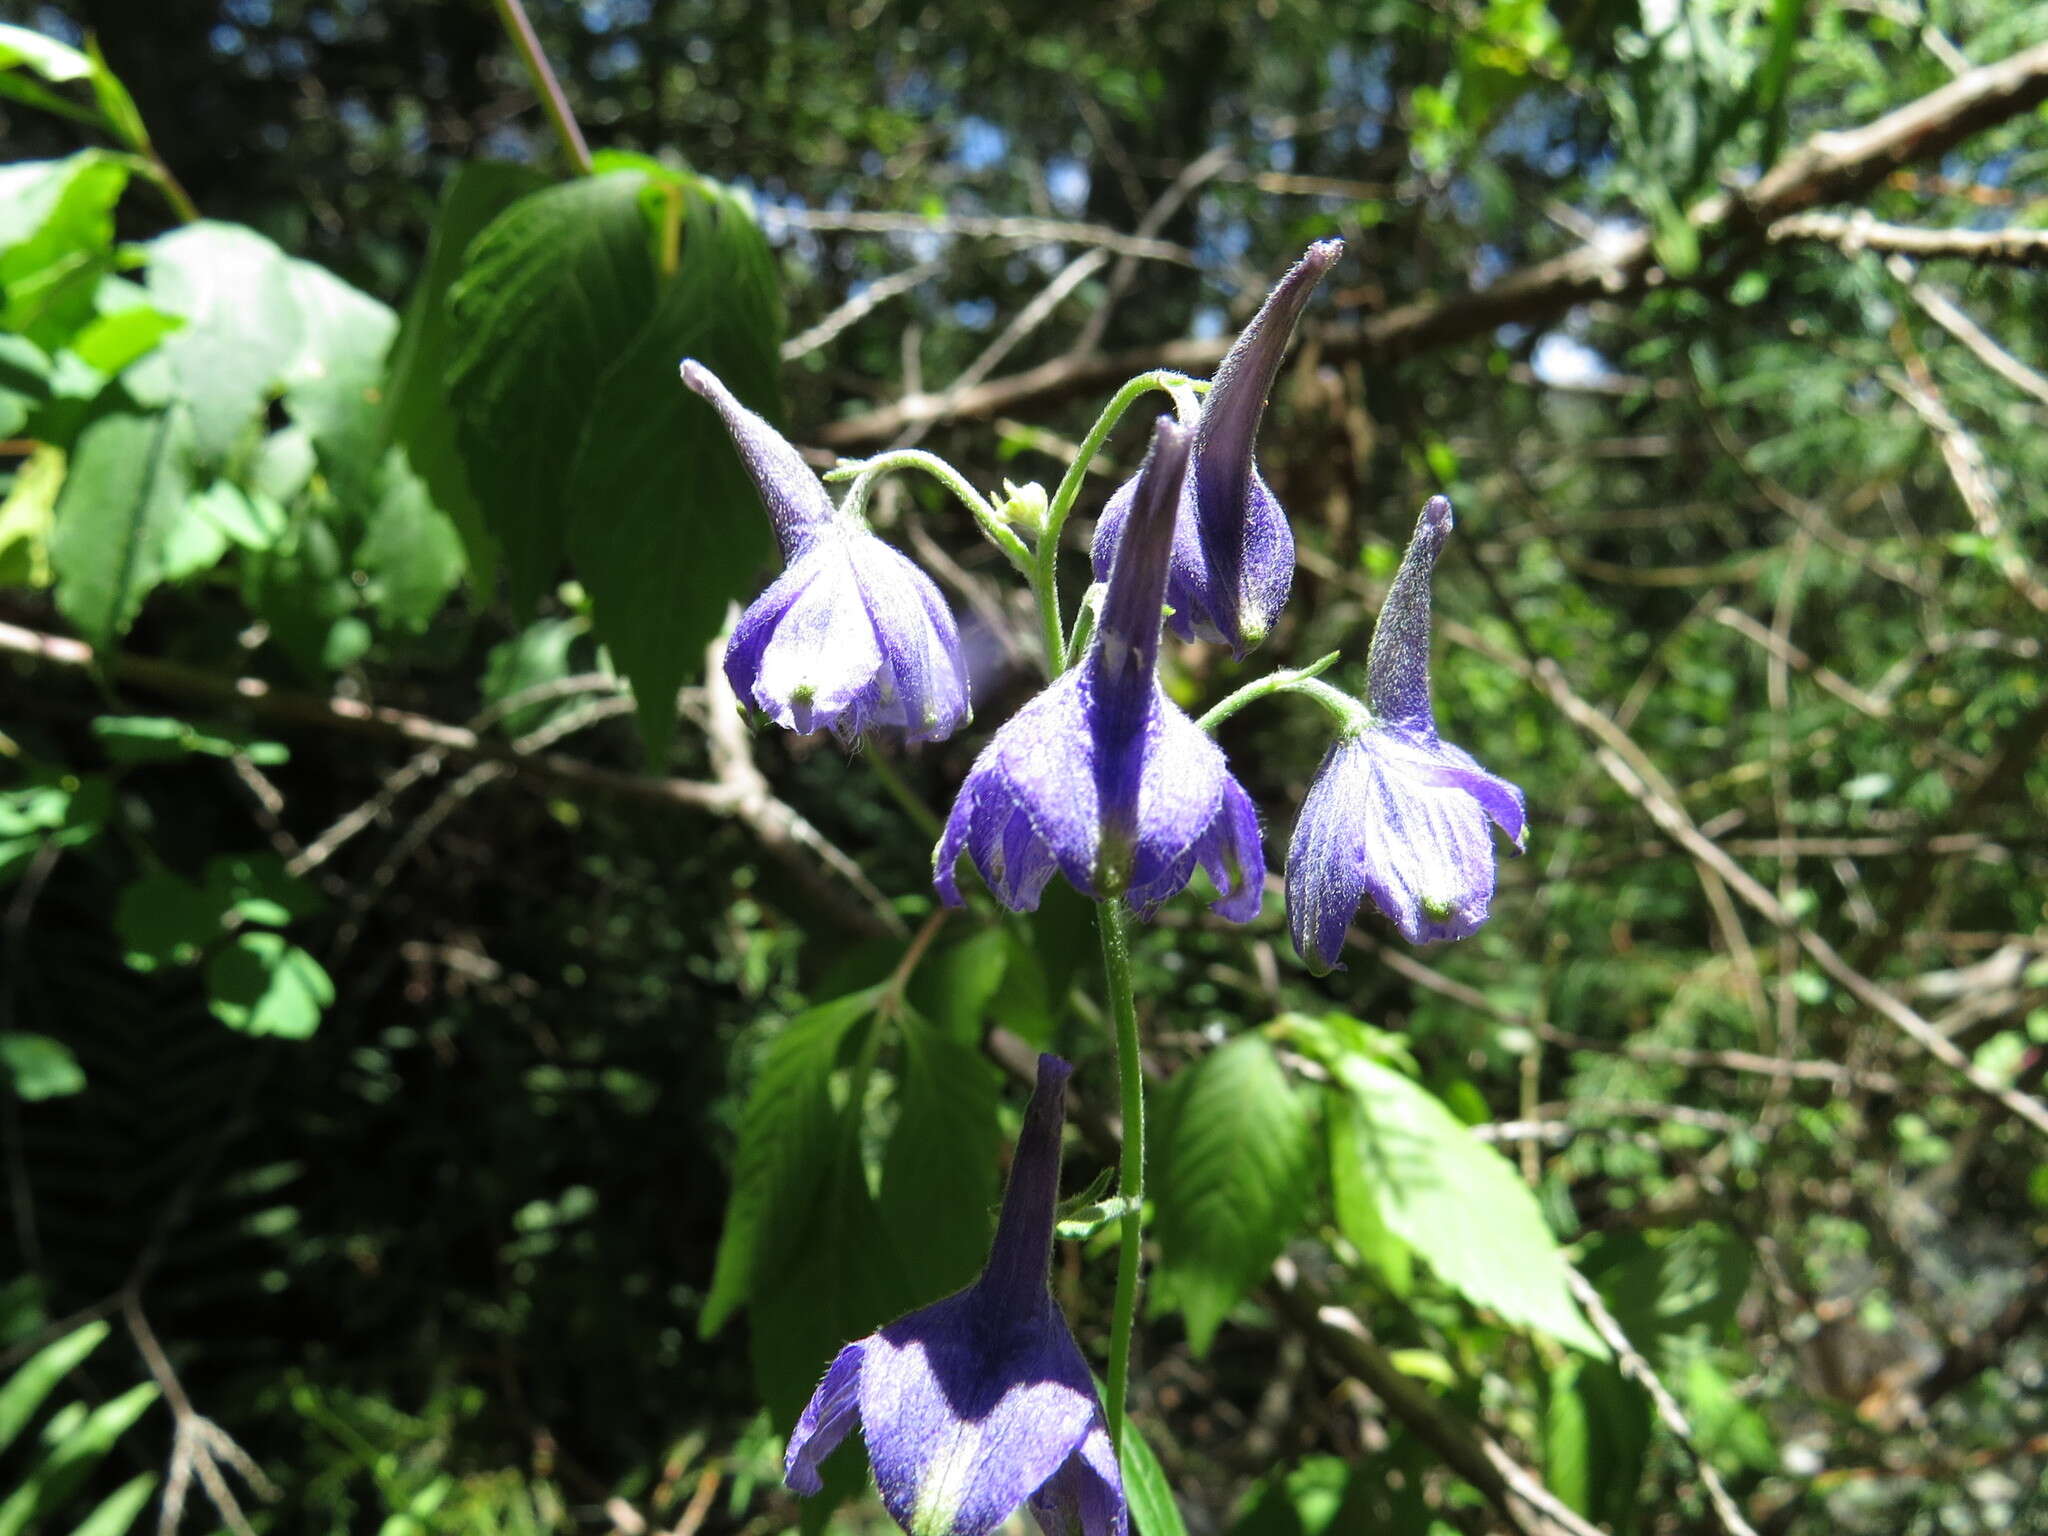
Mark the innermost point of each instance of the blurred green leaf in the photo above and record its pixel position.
(1153, 1510)
(129, 478)
(39, 1068)
(53, 1482)
(411, 553)
(1235, 1169)
(261, 985)
(939, 1172)
(56, 240)
(242, 331)
(333, 383)
(27, 515)
(39, 1375)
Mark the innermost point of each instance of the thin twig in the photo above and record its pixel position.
(512, 15)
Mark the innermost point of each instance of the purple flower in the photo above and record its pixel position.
(851, 636)
(982, 1402)
(1233, 552)
(1395, 813)
(1102, 778)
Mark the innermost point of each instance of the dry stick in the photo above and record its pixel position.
(1634, 1366)
(1859, 232)
(1785, 651)
(1527, 1507)
(196, 1440)
(1021, 231)
(1945, 313)
(859, 307)
(1627, 765)
(738, 790)
(1829, 167)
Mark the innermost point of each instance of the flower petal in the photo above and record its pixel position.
(1086, 1496)
(824, 653)
(825, 1421)
(756, 627)
(796, 500)
(966, 1417)
(921, 685)
(1325, 874)
(1234, 857)
(1397, 665)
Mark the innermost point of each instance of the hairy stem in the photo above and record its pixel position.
(1287, 680)
(1116, 970)
(512, 16)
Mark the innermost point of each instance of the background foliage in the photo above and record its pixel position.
(449, 1087)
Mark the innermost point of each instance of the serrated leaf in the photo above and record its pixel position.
(666, 528)
(939, 1172)
(261, 985)
(333, 384)
(38, 1067)
(417, 413)
(25, 1390)
(1235, 1171)
(1145, 1486)
(242, 331)
(554, 291)
(787, 1144)
(1353, 1200)
(1461, 1205)
(127, 484)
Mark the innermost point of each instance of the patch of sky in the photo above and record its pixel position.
(292, 56)
(249, 13)
(1464, 199)
(52, 22)
(979, 144)
(1565, 362)
(1207, 322)
(226, 42)
(323, 26)
(1535, 131)
(1221, 242)
(1280, 155)
(698, 50)
(1067, 183)
(974, 314)
(507, 142)
(355, 116)
(602, 16)
(1488, 265)
(620, 56)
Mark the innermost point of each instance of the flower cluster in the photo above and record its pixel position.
(981, 1404)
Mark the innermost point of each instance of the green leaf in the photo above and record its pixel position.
(411, 553)
(27, 516)
(333, 384)
(786, 1148)
(257, 888)
(954, 987)
(166, 738)
(666, 528)
(38, 1377)
(163, 920)
(56, 62)
(65, 1469)
(116, 105)
(1235, 1172)
(1460, 1205)
(251, 521)
(129, 478)
(24, 382)
(1354, 1202)
(261, 985)
(537, 654)
(56, 241)
(1596, 1439)
(939, 1173)
(112, 341)
(242, 332)
(417, 414)
(39, 1067)
(555, 289)
(117, 1511)
(1145, 1485)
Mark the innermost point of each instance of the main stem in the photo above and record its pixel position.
(1123, 1007)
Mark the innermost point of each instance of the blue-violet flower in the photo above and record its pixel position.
(982, 1402)
(1394, 812)
(1233, 551)
(1102, 777)
(852, 636)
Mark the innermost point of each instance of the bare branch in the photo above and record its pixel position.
(1859, 232)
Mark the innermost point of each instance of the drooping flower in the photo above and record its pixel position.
(982, 1402)
(1395, 813)
(851, 637)
(1233, 551)
(1102, 777)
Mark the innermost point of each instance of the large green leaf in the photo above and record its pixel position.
(1235, 1170)
(556, 288)
(939, 1174)
(242, 331)
(788, 1140)
(1354, 1201)
(1460, 1205)
(666, 527)
(129, 479)
(333, 383)
(1151, 1496)
(417, 414)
